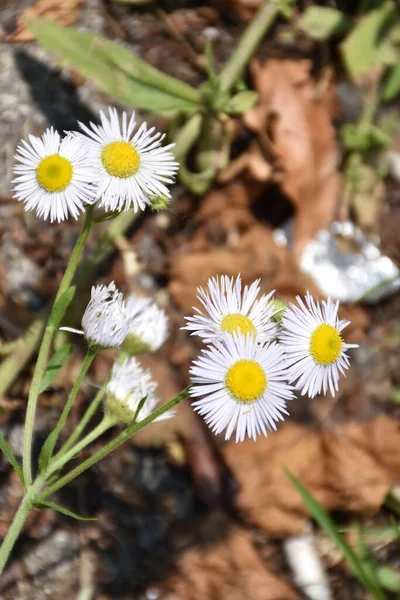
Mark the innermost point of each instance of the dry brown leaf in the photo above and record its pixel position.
(230, 569)
(294, 116)
(64, 12)
(352, 469)
(253, 253)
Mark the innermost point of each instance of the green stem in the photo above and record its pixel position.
(40, 366)
(60, 460)
(75, 435)
(111, 446)
(53, 437)
(18, 521)
(248, 43)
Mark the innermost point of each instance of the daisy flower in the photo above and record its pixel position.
(149, 328)
(105, 322)
(132, 167)
(313, 344)
(229, 309)
(54, 176)
(243, 385)
(129, 384)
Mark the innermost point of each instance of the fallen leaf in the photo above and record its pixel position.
(252, 252)
(64, 12)
(230, 569)
(350, 469)
(294, 118)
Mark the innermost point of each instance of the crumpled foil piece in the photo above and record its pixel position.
(345, 263)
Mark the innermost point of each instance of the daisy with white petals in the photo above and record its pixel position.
(231, 309)
(131, 166)
(54, 176)
(105, 322)
(313, 344)
(129, 384)
(149, 328)
(242, 385)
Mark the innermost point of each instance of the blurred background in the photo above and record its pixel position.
(287, 131)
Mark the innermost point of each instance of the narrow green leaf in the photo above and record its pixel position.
(391, 87)
(322, 22)
(115, 69)
(242, 102)
(57, 361)
(368, 45)
(323, 518)
(389, 578)
(6, 450)
(62, 509)
(47, 450)
(61, 306)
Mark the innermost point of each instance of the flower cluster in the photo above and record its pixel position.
(112, 164)
(136, 326)
(258, 352)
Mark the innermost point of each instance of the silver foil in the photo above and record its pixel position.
(345, 263)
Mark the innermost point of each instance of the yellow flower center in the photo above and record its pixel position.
(235, 322)
(54, 173)
(326, 344)
(120, 159)
(246, 381)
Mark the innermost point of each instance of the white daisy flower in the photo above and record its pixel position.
(105, 321)
(228, 309)
(244, 384)
(313, 344)
(54, 176)
(131, 167)
(129, 384)
(149, 328)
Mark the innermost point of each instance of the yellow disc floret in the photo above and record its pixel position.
(246, 381)
(237, 322)
(120, 159)
(326, 344)
(54, 173)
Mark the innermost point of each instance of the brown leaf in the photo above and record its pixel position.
(64, 12)
(230, 569)
(294, 118)
(352, 469)
(252, 252)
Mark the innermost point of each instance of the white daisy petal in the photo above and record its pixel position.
(129, 384)
(312, 342)
(54, 176)
(105, 321)
(149, 328)
(130, 167)
(228, 309)
(241, 384)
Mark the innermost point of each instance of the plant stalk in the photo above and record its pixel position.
(111, 446)
(40, 366)
(18, 521)
(248, 43)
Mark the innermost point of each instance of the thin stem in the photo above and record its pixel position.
(111, 446)
(75, 435)
(45, 347)
(247, 45)
(60, 460)
(91, 353)
(18, 521)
